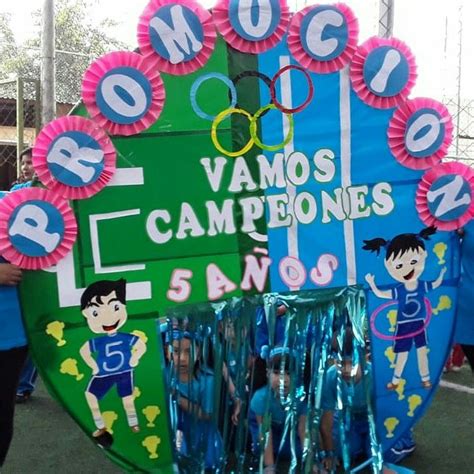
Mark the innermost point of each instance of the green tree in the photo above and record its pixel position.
(79, 40)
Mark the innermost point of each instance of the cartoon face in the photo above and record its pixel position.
(105, 314)
(407, 267)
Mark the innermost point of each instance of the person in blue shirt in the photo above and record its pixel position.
(286, 412)
(464, 331)
(113, 355)
(29, 373)
(355, 386)
(192, 402)
(13, 350)
(405, 261)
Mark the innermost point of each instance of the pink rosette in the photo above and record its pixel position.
(163, 64)
(357, 72)
(47, 137)
(298, 51)
(398, 127)
(118, 60)
(10, 203)
(426, 183)
(220, 15)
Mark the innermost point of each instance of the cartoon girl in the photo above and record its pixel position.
(405, 261)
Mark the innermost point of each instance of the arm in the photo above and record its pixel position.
(9, 274)
(193, 408)
(327, 421)
(302, 429)
(232, 392)
(387, 294)
(140, 349)
(268, 458)
(439, 280)
(86, 355)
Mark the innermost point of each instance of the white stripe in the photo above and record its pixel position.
(94, 230)
(127, 177)
(285, 89)
(345, 113)
(457, 387)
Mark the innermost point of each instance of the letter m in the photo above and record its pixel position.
(178, 37)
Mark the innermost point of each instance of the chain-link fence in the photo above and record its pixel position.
(19, 123)
(462, 148)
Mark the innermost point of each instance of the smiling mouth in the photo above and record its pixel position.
(110, 328)
(409, 276)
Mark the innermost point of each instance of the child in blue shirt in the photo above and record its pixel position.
(192, 402)
(277, 401)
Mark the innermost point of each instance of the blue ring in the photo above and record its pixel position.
(197, 83)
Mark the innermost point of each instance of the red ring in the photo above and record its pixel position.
(273, 92)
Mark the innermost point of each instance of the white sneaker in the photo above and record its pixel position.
(455, 368)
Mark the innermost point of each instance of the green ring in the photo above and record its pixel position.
(253, 129)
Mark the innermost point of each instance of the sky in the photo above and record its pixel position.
(422, 24)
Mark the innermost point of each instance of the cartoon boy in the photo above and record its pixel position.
(113, 355)
(405, 261)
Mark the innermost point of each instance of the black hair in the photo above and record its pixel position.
(26, 151)
(401, 243)
(103, 288)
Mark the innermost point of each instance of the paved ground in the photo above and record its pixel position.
(48, 442)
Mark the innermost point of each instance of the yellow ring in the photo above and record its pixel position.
(253, 130)
(218, 119)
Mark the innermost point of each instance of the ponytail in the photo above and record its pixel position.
(427, 232)
(375, 245)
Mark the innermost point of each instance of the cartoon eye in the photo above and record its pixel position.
(95, 313)
(400, 265)
(414, 261)
(116, 307)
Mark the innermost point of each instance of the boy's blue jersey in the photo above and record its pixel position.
(359, 397)
(113, 352)
(411, 303)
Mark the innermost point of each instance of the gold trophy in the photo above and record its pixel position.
(109, 417)
(56, 330)
(392, 319)
(390, 355)
(151, 444)
(401, 389)
(136, 393)
(444, 302)
(141, 335)
(390, 424)
(414, 401)
(69, 367)
(440, 251)
(151, 412)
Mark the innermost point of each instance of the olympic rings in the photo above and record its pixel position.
(253, 129)
(235, 109)
(258, 75)
(273, 91)
(197, 84)
(254, 140)
(219, 118)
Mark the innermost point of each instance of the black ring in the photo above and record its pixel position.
(258, 75)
